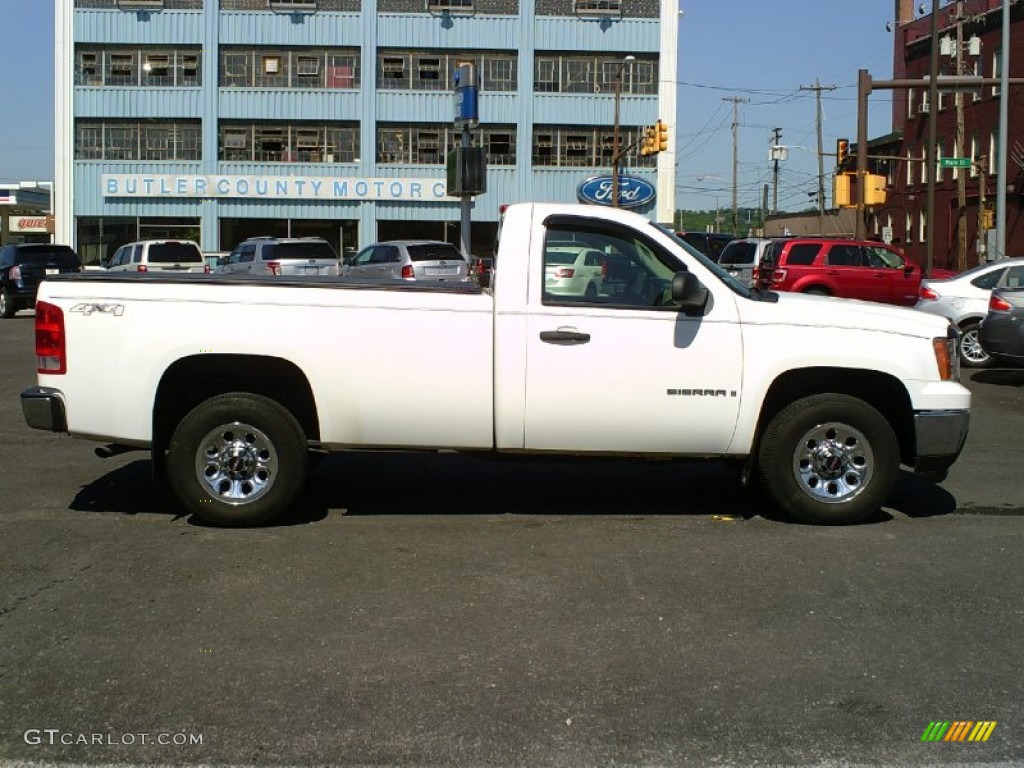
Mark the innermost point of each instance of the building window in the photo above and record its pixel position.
(938, 161)
(423, 144)
(554, 73)
(435, 70)
(909, 228)
(993, 153)
(289, 142)
(305, 68)
(922, 236)
(585, 147)
(997, 58)
(449, 6)
(974, 156)
(137, 140)
(601, 7)
(910, 167)
(121, 67)
(924, 165)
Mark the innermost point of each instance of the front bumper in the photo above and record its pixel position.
(940, 436)
(43, 408)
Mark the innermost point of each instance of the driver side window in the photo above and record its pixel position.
(588, 262)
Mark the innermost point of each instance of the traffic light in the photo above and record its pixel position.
(649, 145)
(661, 136)
(988, 218)
(842, 191)
(874, 189)
(842, 152)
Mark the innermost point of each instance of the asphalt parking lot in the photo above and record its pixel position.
(457, 610)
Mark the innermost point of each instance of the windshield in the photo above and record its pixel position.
(734, 285)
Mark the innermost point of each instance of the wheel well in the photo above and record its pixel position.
(816, 288)
(192, 380)
(972, 320)
(883, 392)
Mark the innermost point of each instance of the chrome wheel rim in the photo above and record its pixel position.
(970, 347)
(3, 302)
(236, 463)
(833, 462)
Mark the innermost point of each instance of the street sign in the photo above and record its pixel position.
(954, 162)
(887, 235)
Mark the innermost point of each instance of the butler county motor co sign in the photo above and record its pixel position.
(271, 187)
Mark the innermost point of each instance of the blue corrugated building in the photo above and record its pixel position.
(219, 120)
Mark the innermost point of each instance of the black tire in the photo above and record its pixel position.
(7, 308)
(972, 355)
(816, 292)
(237, 459)
(829, 459)
(591, 292)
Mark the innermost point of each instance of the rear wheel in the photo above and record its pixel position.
(237, 459)
(972, 354)
(816, 292)
(591, 292)
(830, 459)
(7, 308)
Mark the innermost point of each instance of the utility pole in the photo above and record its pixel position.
(818, 88)
(961, 174)
(933, 121)
(736, 101)
(776, 138)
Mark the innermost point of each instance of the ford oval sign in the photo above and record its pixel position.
(633, 191)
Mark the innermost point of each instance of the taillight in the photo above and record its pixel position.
(564, 272)
(206, 269)
(142, 268)
(274, 267)
(927, 294)
(999, 304)
(604, 270)
(778, 275)
(15, 273)
(51, 352)
(407, 272)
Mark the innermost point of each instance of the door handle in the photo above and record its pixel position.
(831, 273)
(564, 337)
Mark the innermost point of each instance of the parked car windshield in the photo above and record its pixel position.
(174, 253)
(64, 257)
(432, 252)
(310, 250)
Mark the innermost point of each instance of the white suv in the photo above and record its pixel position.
(158, 256)
(573, 270)
(282, 256)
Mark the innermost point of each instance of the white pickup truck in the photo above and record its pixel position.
(231, 382)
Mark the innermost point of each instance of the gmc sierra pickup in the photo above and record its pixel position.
(230, 382)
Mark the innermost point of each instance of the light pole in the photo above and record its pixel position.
(616, 152)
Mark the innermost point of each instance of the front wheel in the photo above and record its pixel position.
(816, 292)
(972, 354)
(237, 459)
(829, 459)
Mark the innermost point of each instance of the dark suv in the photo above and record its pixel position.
(711, 244)
(24, 265)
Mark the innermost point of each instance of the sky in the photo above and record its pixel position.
(763, 52)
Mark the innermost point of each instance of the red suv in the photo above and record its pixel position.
(851, 269)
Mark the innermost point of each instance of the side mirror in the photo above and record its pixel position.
(908, 269)
(689, 292)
